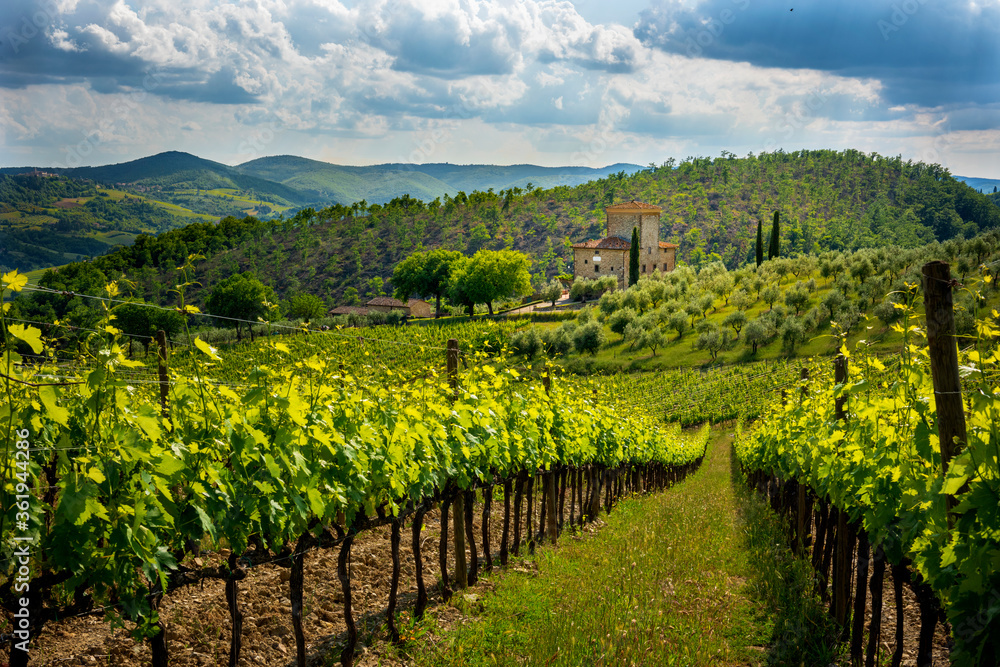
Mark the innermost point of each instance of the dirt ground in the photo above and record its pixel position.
(198, 625)
(197, 620)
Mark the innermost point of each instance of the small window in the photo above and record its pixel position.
(597, 268)
(649, 250)
(584, 261)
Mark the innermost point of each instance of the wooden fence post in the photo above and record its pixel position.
(943, 350)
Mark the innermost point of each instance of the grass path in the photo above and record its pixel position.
(667, 582)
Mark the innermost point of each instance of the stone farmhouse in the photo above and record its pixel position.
(387, 304)
(609, 256)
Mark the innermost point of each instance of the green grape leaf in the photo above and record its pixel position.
(14, 281)
(207, 349)
(30, 335)
(50, 399)
(206, 522)
(148, 421)
(168, 466)
(316, 501)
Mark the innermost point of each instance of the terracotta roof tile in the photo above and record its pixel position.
(632, 206)
(609, 243)
(386, 301)
(663, 244)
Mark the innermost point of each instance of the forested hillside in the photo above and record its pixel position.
(51, 220)
(828, 201)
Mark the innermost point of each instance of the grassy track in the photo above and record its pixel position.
(671, 580)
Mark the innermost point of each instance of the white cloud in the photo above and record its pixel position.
(318, 76)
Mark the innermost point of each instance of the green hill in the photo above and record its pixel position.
(175, 171)
(51, 220)
(987, 185)
(379, 184)
(828, 200)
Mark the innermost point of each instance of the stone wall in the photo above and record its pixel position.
(621, 224)
(611, 262)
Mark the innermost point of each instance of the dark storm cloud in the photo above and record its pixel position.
(924, 52)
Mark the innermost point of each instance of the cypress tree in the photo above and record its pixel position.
(760, 244)
(633, 258)
(774, 248)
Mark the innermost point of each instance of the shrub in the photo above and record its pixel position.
(527, 343)
(621, 319)
(589, 338)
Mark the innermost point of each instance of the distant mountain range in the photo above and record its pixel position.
(291, 181)
(984, 184)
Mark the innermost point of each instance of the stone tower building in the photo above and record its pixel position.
(610, 255)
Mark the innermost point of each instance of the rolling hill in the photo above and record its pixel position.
(987, 185)
(828, 200)
(378, 184)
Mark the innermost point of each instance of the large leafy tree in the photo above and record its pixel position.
(306, 307)
(490, 275)
(241, 297)
(140, 320)
(425, 274)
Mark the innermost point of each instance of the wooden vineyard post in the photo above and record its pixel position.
(161, 344)
(943, 350)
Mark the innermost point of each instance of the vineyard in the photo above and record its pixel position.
(898, 469)
(128, 482)
(114, 482)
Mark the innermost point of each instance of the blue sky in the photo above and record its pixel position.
(552, 82)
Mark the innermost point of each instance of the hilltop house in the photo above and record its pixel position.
(610, 255)
(413, 307)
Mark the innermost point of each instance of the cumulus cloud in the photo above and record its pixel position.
(688, 76)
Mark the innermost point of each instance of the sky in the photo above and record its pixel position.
(549, 82)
